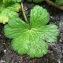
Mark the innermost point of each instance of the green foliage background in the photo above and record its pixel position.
(8, 9)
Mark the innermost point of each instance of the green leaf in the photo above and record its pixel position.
(8, 9)
(15, 7)
(32, 42)
(39, 16)
(12, 6)
(9, 3)
(32, 39)
(7, 15)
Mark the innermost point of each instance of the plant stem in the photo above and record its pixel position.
(24, 14)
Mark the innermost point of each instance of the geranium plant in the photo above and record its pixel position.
(32, 37)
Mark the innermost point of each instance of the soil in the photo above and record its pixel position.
(55, 54)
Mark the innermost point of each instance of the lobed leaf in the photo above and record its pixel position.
(32, 39)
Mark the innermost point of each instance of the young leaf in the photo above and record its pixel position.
(34, 40)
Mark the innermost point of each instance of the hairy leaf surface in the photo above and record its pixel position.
(32, 38)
